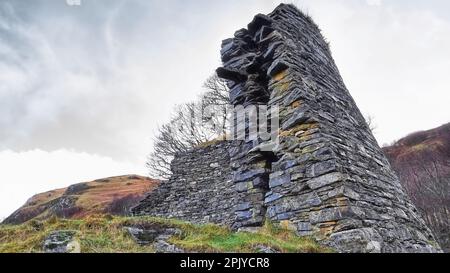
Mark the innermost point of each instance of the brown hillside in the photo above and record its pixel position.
(422, 162)
(435, 141)
(114, 195)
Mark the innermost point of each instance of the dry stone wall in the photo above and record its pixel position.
(200, 189)
(325, 176)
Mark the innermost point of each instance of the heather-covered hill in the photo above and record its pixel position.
(113, 195)
(432, 144)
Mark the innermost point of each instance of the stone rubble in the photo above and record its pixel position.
(155, 235)
(61, 241)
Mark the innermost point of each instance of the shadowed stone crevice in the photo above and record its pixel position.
(251, 177)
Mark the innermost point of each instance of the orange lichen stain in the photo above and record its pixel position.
(306, 126)
(284, 86)
(305, 138)
(280, 75)
(287, 225)
(281, 87)
(285, 133)
(301, 127)
(327, 228)
(296, 104)
(342, 202)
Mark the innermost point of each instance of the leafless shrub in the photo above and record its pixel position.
(370, 120)
(426, 178)
(184, 131)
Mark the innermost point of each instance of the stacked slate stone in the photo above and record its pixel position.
(245, 67)
(330, 179)
(200, 189)
(250, 175)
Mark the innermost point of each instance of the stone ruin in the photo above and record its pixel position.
(327, 177)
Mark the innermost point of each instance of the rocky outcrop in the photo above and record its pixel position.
(61, 241)
(325, 175)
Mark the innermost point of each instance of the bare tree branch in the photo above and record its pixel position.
(191, 124)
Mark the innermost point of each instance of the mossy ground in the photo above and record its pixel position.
(105, 234)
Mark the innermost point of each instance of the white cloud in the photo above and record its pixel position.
(374, 2)
(24, 174)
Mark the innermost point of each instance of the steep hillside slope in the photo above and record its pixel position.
(114, 195)
(422, 162)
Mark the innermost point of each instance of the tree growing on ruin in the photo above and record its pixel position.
(370, 120)
(190, 125)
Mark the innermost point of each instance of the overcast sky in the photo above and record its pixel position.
(83, 88)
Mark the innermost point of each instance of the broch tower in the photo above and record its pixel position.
(325, 177)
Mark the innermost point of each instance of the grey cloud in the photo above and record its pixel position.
(100, 77)
(84, 78)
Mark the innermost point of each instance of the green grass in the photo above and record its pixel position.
(105, 234)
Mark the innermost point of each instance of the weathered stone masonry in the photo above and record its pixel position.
(200, 189)
(326, 177)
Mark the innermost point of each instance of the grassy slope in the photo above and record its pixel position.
(104, 233)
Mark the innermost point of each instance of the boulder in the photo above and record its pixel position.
(61, 241)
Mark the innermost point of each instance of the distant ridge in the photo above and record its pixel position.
(435, 140)
(113, 195)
